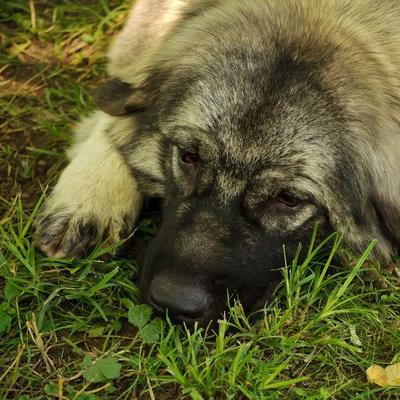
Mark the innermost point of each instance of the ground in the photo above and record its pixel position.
(72, 329)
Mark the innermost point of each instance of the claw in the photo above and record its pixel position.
(66, 236)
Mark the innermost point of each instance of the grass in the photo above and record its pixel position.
(72, 329)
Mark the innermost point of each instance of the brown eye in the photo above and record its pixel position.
(190, 158)
(287, 200)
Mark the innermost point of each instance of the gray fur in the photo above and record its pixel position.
(277, 98)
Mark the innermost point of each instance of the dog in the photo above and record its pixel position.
(254, 120)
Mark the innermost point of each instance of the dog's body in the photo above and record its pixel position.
(255, 120)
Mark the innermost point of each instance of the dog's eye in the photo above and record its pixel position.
(287, 200)
(190, 158)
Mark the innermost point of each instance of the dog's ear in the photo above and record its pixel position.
(133, 52)
(120, 98)
(145, 30)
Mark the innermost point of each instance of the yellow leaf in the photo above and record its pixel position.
(377, 374)
(393, 374)
(389, 376)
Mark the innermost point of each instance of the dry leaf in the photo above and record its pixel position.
(389, 376)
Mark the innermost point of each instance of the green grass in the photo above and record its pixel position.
(72, 329)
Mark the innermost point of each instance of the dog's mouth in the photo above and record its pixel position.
(193, 305)
(192, 293)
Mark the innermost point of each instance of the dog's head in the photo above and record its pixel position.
(242, 128)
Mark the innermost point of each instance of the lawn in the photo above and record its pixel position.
(73, 329)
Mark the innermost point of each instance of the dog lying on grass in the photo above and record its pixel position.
(254, 120)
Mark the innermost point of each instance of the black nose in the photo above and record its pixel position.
(185, 301)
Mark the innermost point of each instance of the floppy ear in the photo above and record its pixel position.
(119, 98)
(131, 54)
(148, 24)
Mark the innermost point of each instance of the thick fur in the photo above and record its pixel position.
(293, 97)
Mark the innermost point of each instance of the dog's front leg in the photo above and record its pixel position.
(95, 196)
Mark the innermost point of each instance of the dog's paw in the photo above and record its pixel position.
(80, 213)
(96, 197)
(62, 233)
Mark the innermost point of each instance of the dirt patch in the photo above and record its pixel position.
(24, 171)
(52, 55)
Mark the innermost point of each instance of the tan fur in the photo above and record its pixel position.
(97, 186)
(364, 72)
